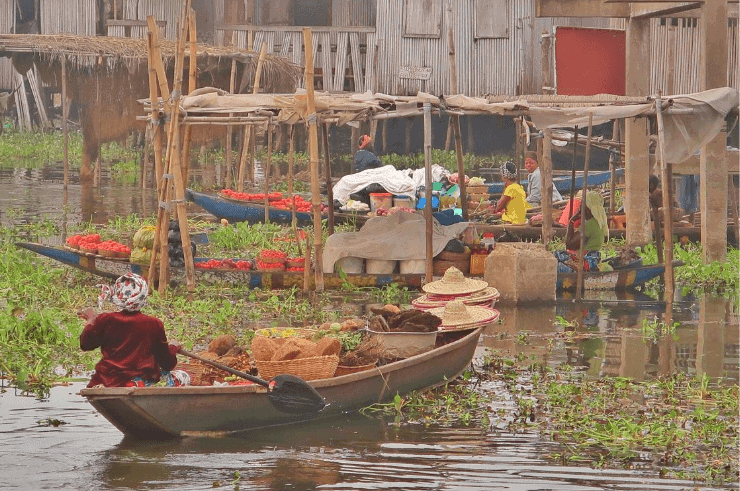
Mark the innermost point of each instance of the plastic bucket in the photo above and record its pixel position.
(350, 264)
(403, 201)
(381, 200)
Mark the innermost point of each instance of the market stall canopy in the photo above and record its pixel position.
(691, 119)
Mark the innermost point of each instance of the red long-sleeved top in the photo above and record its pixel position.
(132, 344)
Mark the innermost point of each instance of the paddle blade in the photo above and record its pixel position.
(291, 394)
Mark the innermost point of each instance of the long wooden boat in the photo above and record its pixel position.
(172, 412)
(113, 268)
(562, 183)
(619, 279)
(252, 212)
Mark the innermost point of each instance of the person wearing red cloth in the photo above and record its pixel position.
(133, 345)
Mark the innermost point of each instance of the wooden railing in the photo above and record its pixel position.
(343, 56)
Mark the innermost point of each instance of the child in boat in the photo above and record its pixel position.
(365, 157)
(513, 206)
(596, 232)
(134, 345)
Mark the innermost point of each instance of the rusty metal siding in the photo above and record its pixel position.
(70, 16)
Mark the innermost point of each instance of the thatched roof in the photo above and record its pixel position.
(96, 52)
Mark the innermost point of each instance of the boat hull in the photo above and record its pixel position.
(562, 184)
(619, 279)
(171, 412)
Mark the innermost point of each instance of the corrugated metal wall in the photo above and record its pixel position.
(7, 72)
(504, 66)
(70, 16)
(168, 11)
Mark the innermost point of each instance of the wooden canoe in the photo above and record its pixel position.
(170, 412)
(252, 212)
(619, 279)
(562, 183)
(113, 268)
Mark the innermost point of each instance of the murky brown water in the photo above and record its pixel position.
(352, 452)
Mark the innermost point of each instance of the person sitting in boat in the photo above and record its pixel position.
(534, 181)
(365, 157)
(134, 346)
(596, 233)
(512, 206)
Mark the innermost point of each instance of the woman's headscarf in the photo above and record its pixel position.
(364, 141)
(129, 292)
(508, 170)
(595, 203)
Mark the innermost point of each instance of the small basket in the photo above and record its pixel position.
(295, 262)
(89, 251)
(197, 372)
(107, 253)
(311, 368)
(346, 370)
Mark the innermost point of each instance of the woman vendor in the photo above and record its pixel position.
(365, 158)
(134, 346)
(512, 206)
(596, 232)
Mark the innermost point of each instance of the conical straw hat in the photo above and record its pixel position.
(454, 283)
(487, 296)
(457, 315)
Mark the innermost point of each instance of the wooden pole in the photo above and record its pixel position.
(546, 186)
(249, 129)
(313, 147)
(192, 74)
(658, 232)
(291, 159)
(65, 117)
(455, 124)
(573, 173)
(734, 206)
(667, 207)
(229, 128)
(327, 166)
(307, 264)
(582, 228)
(267, 170)
(155, 114)
(613, 160)
(428, 189)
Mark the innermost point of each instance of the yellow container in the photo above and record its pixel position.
(478, 264)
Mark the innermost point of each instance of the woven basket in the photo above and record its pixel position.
(311, 368)
(439, 266)
(197, 372)
(346, 370)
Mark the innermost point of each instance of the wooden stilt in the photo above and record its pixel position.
(267, 170)
(192, 67)
(582, 228)
(229, 128)
(546, 186)
(313, 146)
(428, 190)
(327, 165)
(291, 159)
(249, 129)
(155, 113)
(454, 125)
(667, 203)
(65, 125)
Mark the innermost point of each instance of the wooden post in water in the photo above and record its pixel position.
(249, 129)
(327, 164)
(546, 187)
(428, 189)
(582, 228)
(192, 68)
(667, 203)
(65, 126)
(313, 147)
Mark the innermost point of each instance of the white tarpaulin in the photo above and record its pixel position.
(393, 180)
(399, 236)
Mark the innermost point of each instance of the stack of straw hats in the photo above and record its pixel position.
(455, 286)
(456, 316)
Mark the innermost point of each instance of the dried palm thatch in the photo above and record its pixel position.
(87, 53)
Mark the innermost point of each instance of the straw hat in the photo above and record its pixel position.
(454, 283)
(487, 296)
(457, 315)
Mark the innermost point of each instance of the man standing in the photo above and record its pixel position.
(534, 183)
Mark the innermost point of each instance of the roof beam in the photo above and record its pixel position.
(660, 9)
(580, 8)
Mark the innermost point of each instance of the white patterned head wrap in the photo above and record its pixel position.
(508, 170)
(129, 292)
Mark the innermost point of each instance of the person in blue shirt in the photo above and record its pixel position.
(365, 157)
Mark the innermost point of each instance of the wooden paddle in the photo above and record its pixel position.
(287, 393)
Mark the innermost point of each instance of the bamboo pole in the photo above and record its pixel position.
(573, 173)
(291, 159)
(313, 146)
(267, 170)
(249, 130)
(428, 190)
(192, 81)
(307, 264)
(229, 128)
(155, 113)
(546, 186)
(582, 228)
(732, 189)
(667, 208)
(455, 124)
(327, 165)
(65, 125)
(613, 169)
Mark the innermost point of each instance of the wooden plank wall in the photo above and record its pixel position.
(70, 16)
(7, 72)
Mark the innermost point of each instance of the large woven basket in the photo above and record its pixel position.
(345, 370)
(311, 368)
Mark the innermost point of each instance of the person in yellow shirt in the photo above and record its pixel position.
(512, 206)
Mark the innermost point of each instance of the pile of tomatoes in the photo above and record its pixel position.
(119, 249)
(270, 266)
(224, 264)
(288, 203)
(272, 256)
(259, 197)
(88, 242)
